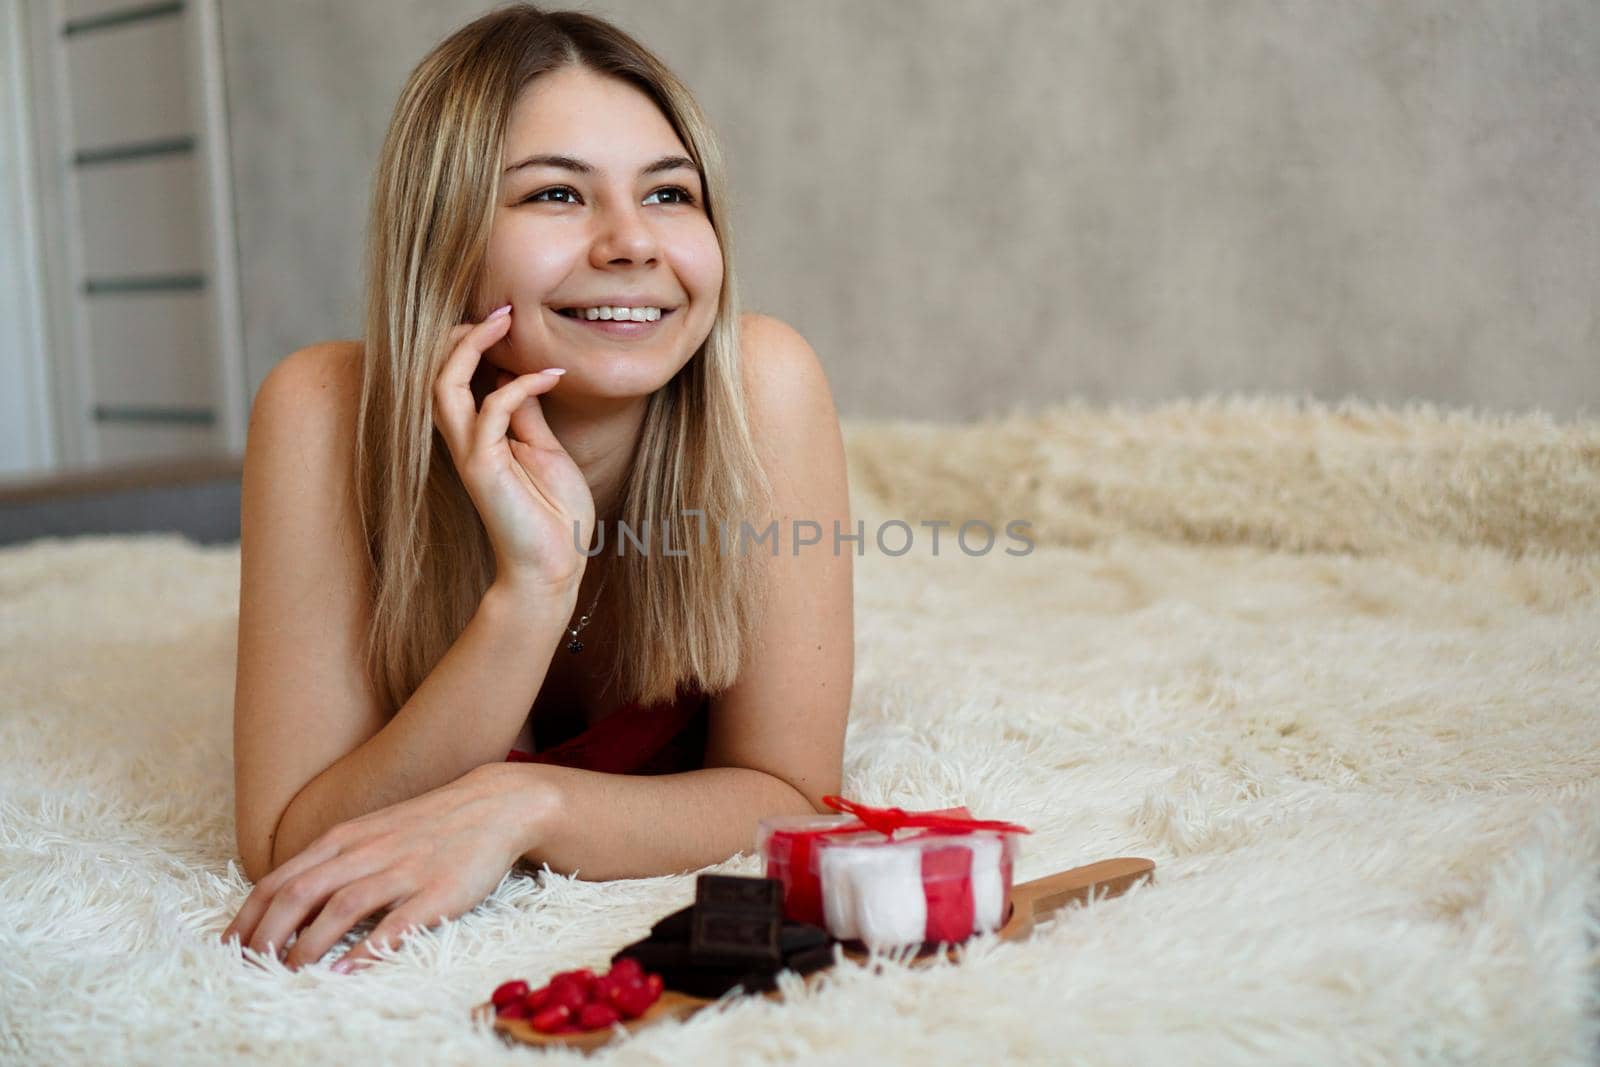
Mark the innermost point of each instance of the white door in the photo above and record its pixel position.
(135, 230)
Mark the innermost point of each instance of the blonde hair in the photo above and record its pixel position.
(688, 615)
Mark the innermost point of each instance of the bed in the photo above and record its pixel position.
(1335, 668)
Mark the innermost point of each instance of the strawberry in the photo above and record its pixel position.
(633, 1001)
(516, 1009)
(583, 976)
(507, 992)
(597, 1016)
(552, 1018)
(569, 995)
(628, 969)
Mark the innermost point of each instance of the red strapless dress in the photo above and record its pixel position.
(664, 738)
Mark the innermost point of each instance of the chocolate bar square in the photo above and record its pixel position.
(734, 939)
(733, 935)
(736, 892)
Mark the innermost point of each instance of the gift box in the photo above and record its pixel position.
(785, 843)
(887, 877)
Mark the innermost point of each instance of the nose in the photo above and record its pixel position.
(624, 237)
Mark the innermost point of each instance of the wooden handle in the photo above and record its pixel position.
(1034, 901)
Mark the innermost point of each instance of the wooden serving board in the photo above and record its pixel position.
(1030, 903)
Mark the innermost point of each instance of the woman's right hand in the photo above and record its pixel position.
(527, 489)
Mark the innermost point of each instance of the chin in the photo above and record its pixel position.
(616, 380)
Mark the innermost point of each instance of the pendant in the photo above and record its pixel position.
(574, 646)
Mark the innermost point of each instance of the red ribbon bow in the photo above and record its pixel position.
(887, 820)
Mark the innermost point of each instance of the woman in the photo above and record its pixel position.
(445, 666)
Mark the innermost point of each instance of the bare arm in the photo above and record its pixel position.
(601, 826)
(313, 744)
(466, 713)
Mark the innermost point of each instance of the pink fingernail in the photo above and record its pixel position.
(343, 967)
(554, 370)
(498, 312)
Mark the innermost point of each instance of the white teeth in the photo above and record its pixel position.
(630, 314)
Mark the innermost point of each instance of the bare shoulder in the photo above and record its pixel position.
(298, 495)
(784, 380)
(309, 401)
(327, 366)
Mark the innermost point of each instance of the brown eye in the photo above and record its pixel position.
(552, 190)
(683, 195)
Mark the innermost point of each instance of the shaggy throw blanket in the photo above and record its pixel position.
(1336, 670)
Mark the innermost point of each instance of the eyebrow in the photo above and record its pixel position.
(580, 167)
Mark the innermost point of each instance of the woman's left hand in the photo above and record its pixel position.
(426, 859)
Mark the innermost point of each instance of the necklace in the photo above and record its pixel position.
(575, 646)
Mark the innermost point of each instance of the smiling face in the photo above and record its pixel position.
(599, 206)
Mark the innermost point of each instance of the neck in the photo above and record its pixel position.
(600, 436)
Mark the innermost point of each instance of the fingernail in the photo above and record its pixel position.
(498, 312)
(554, 370)
(343, 967)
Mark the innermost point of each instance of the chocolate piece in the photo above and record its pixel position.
(732, 936)
(679, 973)
(733, 939)
(810, 959)
(796, 936)
(674, 927)
(736, 892)
(682, 975)
(715, 983)
(759, 981)
(655, 955)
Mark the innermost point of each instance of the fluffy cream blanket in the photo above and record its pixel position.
(1336, 670)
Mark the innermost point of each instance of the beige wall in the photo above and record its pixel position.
(977, 206)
